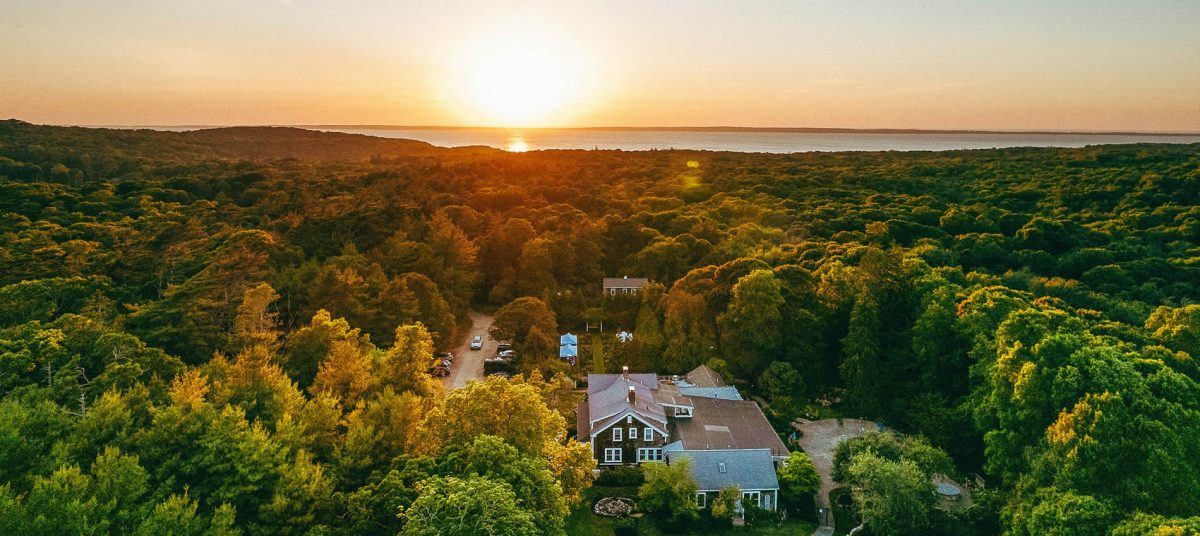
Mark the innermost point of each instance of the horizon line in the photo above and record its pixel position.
(664, 128)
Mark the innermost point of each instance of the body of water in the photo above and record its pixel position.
(751, 142)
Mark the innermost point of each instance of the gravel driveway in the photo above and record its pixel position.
(820, 438)
(468, 363)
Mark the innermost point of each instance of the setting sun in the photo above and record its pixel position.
(519, 78)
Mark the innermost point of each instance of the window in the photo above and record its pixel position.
(633, 434)
(612, 291)
(701, 499)
(683, 412)
(648, 434)
(612, 455)
(752, 496)
(616, 434)
(649, 455)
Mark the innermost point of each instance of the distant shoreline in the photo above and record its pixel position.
(778, 130)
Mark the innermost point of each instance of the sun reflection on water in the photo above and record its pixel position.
(516, 144)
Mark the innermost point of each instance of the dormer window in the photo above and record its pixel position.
(721, 466)
(683, 412)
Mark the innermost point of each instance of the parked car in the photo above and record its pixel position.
(507, 354)
(446, 356)
(477, 343)
(440, 371)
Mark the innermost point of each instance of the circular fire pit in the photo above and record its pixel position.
(614, 507)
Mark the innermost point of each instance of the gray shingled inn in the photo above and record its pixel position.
(636, 418)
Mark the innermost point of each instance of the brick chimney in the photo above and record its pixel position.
(632, 395)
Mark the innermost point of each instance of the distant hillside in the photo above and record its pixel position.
(107, 152)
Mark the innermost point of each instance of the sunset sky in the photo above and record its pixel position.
(1012, 64)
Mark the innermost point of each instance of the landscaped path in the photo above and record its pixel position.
(468, 363)
(819, 439)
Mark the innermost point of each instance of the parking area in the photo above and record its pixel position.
(468, 363)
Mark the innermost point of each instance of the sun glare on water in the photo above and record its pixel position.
(519, 79)
(516, 144)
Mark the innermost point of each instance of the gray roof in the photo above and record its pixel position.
(748, 469)
(625, 282)
(727, 392)
(601, 382)
(608, 399)
(702, 376)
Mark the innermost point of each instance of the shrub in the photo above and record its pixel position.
(626, 527)
(758, 516)
(625, 475)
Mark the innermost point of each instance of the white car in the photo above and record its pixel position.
(477, 343)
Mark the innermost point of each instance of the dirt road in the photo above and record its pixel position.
(468, 363)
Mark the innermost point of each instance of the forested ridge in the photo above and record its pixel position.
(228, 331)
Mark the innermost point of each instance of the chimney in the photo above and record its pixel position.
(626, 277)
(632, 395)
(625, 371)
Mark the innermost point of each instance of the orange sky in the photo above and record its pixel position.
(1049, 64)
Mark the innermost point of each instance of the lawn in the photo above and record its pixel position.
(582, 522)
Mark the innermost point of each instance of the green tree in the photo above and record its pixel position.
(669, 491)
(1053, 511)
(523, 317)
(798, 481)
(465, 507)
(649, 337)
(863, 363)
(1177, 328)
(256, 323)
(891, 497)
(725, 505)
(784, 388)
(750, 325)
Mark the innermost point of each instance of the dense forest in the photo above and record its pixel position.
(228, 331)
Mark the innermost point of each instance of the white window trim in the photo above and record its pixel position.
(616, 434)
(612, 455)
(683, 412)
(756, 497)
(702, 499)
(633, 433)
(648, 434)
(650, 454)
